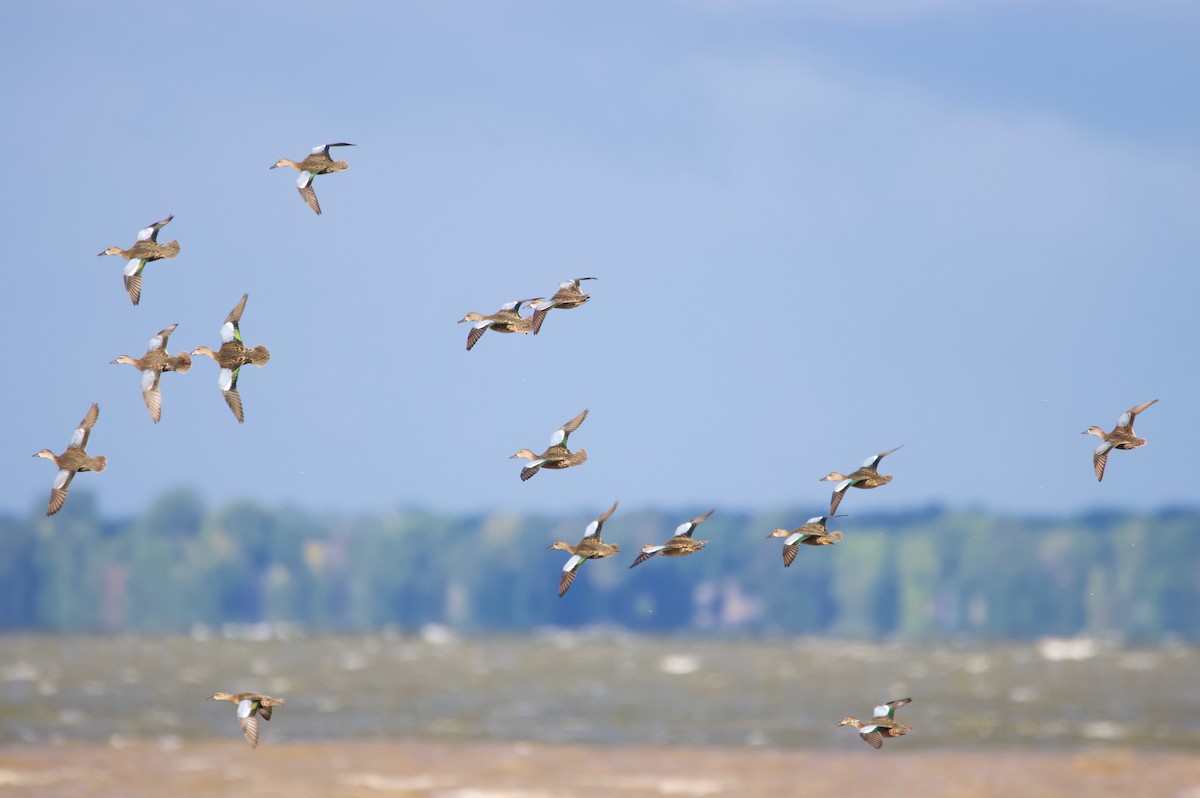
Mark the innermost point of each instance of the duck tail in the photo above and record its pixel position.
(99, 463)
(259, 356)
(181, 363)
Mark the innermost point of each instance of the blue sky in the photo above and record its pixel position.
(820, 231)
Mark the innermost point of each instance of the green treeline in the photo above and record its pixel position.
(929, 573)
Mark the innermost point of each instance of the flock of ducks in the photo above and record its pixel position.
(233, 354)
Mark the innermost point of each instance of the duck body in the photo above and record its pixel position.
(318, 162)
(232, 355)
(145, 250)
(812, 533)
(680, 545)
(73, 460)
(590, 547)
(251, 706)
(882, 726)
(507, 319)
(557, 455)
(1121, 437)
(865, 477)
(153, 365)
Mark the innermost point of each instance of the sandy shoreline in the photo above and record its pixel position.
(535, 770)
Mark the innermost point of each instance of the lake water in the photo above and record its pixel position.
(597, 688)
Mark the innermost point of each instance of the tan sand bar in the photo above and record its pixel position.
(359, 769)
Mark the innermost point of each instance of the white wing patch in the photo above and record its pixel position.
(558, 437)
(841, 486)
(245, 707)
(573, 563)
(591, 528)
(815, 520)
(684, 527)
(790, 540)
(1104, 447)
(225, 379)
(155, 343)
(61, 478)
(870, 461)
(149, 377)
(317, 150)
(304, 180)
(145, 233)
(652, 549)
(1125, 420)
(866, 730)
(881, 711)
(227, 332)
(132, 266)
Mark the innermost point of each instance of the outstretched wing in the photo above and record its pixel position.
(230, 326)
(593, 529)
(307, 192)
(872, 462)
(559, 438)
(151, 393)
(568, 573)
(58, 492)
(133, 279)
(1125, 420)
(646, 553)
(248, 721)
(79, 438)
(159, 341)
(873, 738)
(1100, 459)
(838, 493)
(228, 384)
(476, 333)
(151, 233)
(686, 529)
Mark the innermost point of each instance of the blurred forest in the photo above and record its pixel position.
(921, 574)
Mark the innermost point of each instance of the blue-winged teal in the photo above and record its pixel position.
(591, 547)
(249, 707)
(318, 162)
(152, 365)
(232, 355)
(557, 455)
(143, 251)
(1121, 437)
(569, 295)
(865, 477)
(882, 725)
(507, 319)
(680, 545)
(73, 459)
(813, 533)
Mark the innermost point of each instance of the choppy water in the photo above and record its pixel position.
(597, 688)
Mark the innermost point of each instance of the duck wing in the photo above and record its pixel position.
(559, 438)
(593, 529)
(1125, 420)
(151, 393)
(79, 437)
(307, 192)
